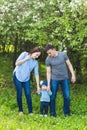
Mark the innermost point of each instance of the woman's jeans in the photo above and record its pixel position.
(66, 95)
(27, 92)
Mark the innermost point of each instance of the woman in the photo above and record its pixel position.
(25, 63)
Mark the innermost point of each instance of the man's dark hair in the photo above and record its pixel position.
(48, 47)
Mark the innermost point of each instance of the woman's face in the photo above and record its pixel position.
(35, 55)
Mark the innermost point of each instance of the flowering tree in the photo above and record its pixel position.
(61, 22)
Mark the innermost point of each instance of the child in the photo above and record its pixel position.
(45, 98)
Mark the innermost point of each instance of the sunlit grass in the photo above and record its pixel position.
(10, 120)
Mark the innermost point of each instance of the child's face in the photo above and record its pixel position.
(44, 87)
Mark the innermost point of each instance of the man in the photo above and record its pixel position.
(57, 65)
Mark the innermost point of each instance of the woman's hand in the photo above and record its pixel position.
(38, 89)
(28, 57)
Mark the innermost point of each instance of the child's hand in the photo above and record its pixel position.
(48, 88)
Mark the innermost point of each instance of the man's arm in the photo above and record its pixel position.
(48, 70)
(70, 67)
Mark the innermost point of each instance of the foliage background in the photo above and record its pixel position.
(25, 24)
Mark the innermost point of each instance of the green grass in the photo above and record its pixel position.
(10, 120)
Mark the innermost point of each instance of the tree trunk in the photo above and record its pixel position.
(15, 50)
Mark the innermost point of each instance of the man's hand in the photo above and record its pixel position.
(73, 79)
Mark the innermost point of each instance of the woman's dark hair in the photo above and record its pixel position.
(36, 49)
(48, 47)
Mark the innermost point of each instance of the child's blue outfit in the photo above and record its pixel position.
(44, 100)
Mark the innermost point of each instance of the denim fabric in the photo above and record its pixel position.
(27, 92)
(44, 108)
(66, 95)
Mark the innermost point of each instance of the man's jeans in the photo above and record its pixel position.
(66, 95)
(27, 92)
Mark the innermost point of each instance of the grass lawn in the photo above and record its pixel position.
(10, 120)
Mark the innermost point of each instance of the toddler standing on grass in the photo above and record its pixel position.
(45, 98)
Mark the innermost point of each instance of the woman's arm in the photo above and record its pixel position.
(19, 62)
(37, 82)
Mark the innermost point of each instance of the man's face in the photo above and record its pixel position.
(51, 52)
